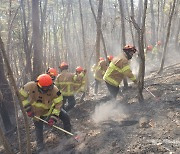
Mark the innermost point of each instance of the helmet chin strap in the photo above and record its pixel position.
(42, 91)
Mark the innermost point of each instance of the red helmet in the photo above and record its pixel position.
(63, 66)
(52, 72)
(79, 69)
(110, 57)
(101, 58)
(149, 48)
(44, 80)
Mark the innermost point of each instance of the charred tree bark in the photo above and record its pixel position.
(98, 34)
(130, 24)
(37, 41)
(121, 4)
(84, 43)
(7, 102)
(5, 115)
(153, 26)
(5, 143)
(13, 83)
(141, 73)
(167, 37)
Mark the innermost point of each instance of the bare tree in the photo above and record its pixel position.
(102, 37)
(121, 4)
(13, 84)
(37, 40)
(99, 17)
(167, 37)
(5, 143)
(140, 32)
(153, 26)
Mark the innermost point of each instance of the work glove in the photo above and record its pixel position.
(30, 114)
(51, 122)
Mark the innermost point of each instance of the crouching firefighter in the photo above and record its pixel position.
(118, 69)
(42, 98)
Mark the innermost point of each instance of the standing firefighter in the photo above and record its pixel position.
(100, 69)
(65, 82)
(42, 99)
(119, 69)
(80, 84)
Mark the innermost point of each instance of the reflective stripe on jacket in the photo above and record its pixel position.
(100, 70)
(66, 82)
(41, 104)
(117, 70)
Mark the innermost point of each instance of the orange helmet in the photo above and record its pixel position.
(101, 58)
(63, 66)
(52, 72)
(44, 83)
(79, 69)
(110, 57)
(149, 48)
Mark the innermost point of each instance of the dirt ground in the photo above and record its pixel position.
(107, 126)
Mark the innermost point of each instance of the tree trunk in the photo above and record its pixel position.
(7, 107)
(167, 37)
(98, 34)
(84, 44)
(13, 83)
(102, 37)
(121, 4)
(5, 143)
(27, 50)
(140, 32)
(37, 41)
(153, 27)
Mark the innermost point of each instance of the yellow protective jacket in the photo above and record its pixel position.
(118, 69)
(80, 85)
(100, 70)
(66, 81)
(41, 104)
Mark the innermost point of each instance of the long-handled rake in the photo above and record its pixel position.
(157, 98)
(59, 128)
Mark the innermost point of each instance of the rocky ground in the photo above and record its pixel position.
(106, 126)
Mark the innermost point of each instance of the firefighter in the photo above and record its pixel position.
(52, 72)
(42, 98)
(148, 52)
(156, 51)
(99, 72)
(119, 69)
(65, 82)
(80, 85)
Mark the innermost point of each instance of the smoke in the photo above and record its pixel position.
(152, 63)
(110, 110)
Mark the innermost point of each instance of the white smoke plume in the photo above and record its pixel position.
(110, 110)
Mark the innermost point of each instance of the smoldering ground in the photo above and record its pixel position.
(111, 110)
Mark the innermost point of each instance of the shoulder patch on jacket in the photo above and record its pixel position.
(58, 93)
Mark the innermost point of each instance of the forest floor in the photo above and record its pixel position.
(106, 126)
